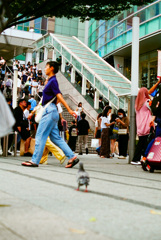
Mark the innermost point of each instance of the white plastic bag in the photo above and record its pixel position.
(95, 143)
(6, 117)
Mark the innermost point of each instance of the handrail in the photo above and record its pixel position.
(76, 103)
(9, 70)
(131, 15)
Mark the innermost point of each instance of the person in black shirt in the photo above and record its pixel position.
(73, 136)
(83, 128)
(21, 125)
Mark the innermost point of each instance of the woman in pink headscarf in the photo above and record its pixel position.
(144, 121)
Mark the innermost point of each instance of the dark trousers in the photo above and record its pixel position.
(123, 144)
(72, 143)
(140, 148)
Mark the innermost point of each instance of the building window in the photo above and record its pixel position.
(154, 10)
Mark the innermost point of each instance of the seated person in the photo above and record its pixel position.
(21, 125)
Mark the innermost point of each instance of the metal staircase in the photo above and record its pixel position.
(103, 77)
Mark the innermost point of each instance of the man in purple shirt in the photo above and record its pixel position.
(48, 125)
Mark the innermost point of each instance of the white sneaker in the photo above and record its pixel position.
(121, 157)
(136, 163)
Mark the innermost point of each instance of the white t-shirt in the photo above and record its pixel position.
(18, 82)
(26, 113)
(105, 120)
(34, 84)
(41, 88)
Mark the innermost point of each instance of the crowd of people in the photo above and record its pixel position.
(52, 134)
(112, 131)
(30, 80)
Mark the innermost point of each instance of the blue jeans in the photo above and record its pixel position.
(48, 126)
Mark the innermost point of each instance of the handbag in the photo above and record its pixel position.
(40, 110)
(115, 130)
(122, 131)
(95, 143)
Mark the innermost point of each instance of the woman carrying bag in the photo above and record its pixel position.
(105, 134)
(123, 133)
(48, 125)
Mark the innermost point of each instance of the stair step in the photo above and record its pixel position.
(69, 119)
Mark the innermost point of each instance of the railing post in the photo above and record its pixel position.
(96, 100)
(63, 64)
(84, 80)
(5, 146)
(54, 55)
(15, 148)
(37, 57)
(45, 53)
(73, 75)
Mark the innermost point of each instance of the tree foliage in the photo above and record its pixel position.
(13, 12)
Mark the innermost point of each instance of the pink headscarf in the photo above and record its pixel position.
(142, 97)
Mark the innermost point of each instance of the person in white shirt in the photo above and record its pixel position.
(26, 113)
(41, 88)
(105, 135)
(34, 87)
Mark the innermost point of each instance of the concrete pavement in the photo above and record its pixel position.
(123, 202)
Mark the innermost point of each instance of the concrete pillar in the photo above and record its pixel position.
(134, 85)
(63, 64)
(14, 97)
(96, 100)
(73, 75)
(84, 81)
(28, 57)
(54, 55)
(37, 57)
(45, 53)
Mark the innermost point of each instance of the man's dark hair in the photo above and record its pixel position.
(105, 111)
(21, 100)
(83, 115)
(9, 76)
(54, 65)
(28, 104)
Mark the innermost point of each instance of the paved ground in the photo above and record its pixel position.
(123, 202)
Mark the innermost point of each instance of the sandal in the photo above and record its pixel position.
(29, 164)
(73, 163)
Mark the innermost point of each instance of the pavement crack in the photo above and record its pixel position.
(12, 231)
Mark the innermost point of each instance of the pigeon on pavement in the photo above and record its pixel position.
(82, 177)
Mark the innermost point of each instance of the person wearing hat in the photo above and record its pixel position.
(73, 136)
(21, 125)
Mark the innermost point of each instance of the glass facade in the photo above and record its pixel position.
(39, 25)
(107, 36)
(63, 26)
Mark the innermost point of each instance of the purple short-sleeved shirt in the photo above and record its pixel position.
(51, 90)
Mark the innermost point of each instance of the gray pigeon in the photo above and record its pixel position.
(82, 177)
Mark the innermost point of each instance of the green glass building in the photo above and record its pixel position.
(112, 40)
